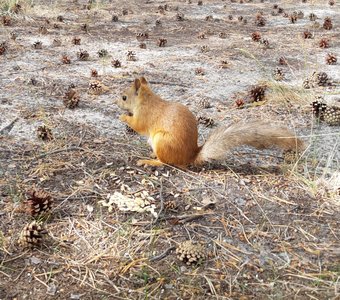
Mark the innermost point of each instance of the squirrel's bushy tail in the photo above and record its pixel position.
(261, 135)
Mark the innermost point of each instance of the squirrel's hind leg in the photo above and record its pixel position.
(149, 162)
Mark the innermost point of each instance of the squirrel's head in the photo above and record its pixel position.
(130, 98)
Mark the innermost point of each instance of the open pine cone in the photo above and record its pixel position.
(260, 20)
(327, 24)
(204, 103)
(321, 79)
(116, 63)
(71, 98)
(131, 55)
(3, 48)
(97, 88)
(83, 55)
(257, 93)
(332, 115)
(142, 36)
(278, 74)
(324, 43)
(38, 202)
(206, 121)
(329, 114)
(256, 36)
(190, 252)
(331, 59)
(44, 133)
(162, 42)
(32, 235)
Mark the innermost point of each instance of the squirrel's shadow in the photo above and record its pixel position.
(244, 168)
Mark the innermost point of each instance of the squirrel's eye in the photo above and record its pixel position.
(124, 98)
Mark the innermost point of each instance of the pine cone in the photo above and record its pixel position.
(312, 17)
(6, 20)
(326, 113)
(307, 83)
(56, 43)
(162, 42)
(331, 59)
(65, 59)
(199, 71)
(38, 202)
(265, 42)
(114, 18)
(102, 53)
(206, 121)
(131, 56)
(318, 108)
(204, 103)
(71, 98)
(278, 74)
(44, 133)
(43, 30)
(142, 45)
(256, 36)
(180, 16)
(17, 8)
(13, 35)
(76, 40)
(239, 103)
(83, 55)
(224, 64)
(307, 34)
(60, 18)
(97, 88)
(260, 20)
(257, 93)
(142, 36)
(32, 235)
(222, 35)
(85, 27)
(205, 48)
(331, 2)
(321, 79)
(332, 116)
(327, 24)
(116, 63)
(3, 48)
(324, 43)
(282, 61)
(37, 45)
(190, 252)
(94, 73)
(293, 18)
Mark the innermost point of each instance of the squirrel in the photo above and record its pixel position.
(173, 135)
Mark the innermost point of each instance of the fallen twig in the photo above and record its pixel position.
(6, 130)
(162, 255)
(59, 151)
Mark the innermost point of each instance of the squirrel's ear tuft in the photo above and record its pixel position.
(137, 84)
(143, 80)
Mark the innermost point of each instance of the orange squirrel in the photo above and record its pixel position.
(172, 130)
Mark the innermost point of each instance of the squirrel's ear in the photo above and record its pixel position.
(143, 80)
(137, 84)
